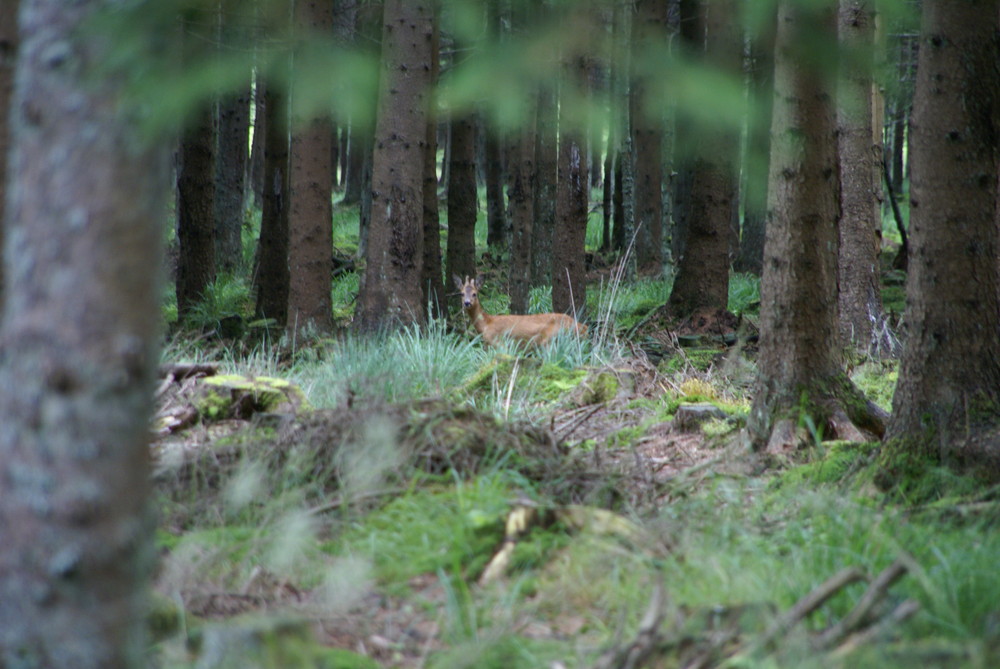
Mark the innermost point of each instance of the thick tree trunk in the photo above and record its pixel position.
(79, 342)
(271, 277)
(702, 280)
(463, 203)
(569, 271)
(647, 138)
(522, 207)
(232, 150)
(945, 405)
(391, 294)
(310, 225)
(195, 209)
(862, 323)
(231, 175)
(799, 365)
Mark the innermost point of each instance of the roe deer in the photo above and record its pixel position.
(531, 329)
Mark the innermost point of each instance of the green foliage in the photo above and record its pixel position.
(454, 529)
(744, 293)
(397, 366)
(228, 295)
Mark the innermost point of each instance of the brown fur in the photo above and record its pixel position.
(530, 329)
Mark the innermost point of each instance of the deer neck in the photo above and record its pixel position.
(480, 319)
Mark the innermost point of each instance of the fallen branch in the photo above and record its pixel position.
(807, 605)
(859, 615)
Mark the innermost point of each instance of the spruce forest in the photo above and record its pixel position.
(606, 334)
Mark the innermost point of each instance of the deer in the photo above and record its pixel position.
(531, 330)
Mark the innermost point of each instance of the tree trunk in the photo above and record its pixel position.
(945, 405)
(496, 220)
(799, 366)
(231, 174)
(569, 271)
(232, 150)
(8, 56)
(272, 277)
(862, 323)
(310, 224)
(431, 282)
(522, 206)
(392, 295)
(702, 281)
(690, 39)
(546, 166)
(463, 202)
(758, 153)
(195, 207)
(80, 334)
(647, 138)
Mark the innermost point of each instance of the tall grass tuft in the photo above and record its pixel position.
(397, 366)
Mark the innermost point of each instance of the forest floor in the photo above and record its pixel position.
(423, 501)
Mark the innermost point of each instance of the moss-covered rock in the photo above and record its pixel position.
(236, 396)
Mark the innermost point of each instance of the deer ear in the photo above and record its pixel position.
(479, 281)
(458, 282)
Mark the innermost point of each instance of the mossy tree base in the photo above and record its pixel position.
(931, 464)
(832, 408)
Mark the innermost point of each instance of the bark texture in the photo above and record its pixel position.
(310, 225)
(546, 170)
(8, 56)
(462, 199)
(702, 280)
(569, 271)
(391, 294)
(799, 366)
(522, 208)
(649, 31)
(272, 278)
(195, 211)
(862, 322)
(945, 405)
(78, 352)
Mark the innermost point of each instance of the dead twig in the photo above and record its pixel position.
(859, 615)
(807, 605)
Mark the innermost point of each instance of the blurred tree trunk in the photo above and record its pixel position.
(756, 158)
(271, 277)
(690, 40)
(569, 269)
(945, 405)
(799, 365)
(233, 135)
(702, 280)
(463, 201)
(195, 190)
(431, 282)
(496, 220)
(391, 294)
(522, 208)
(861, 320)
(8, 57)
(310, 223)
(231, 174)
(80, 335)
(546, 166)
(649, 32)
